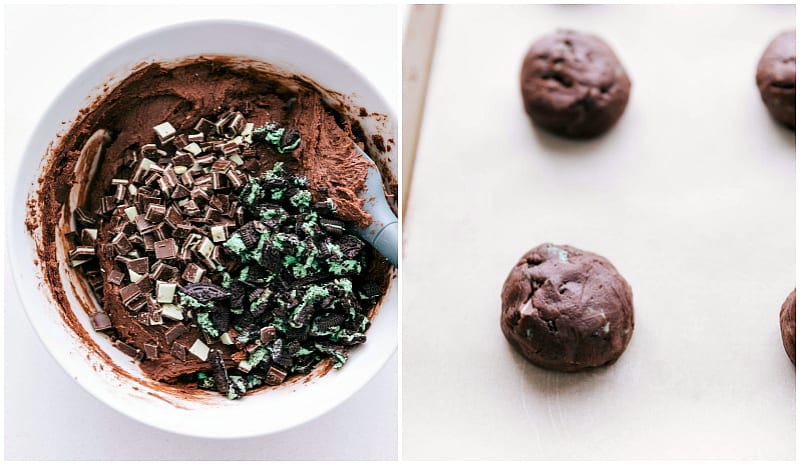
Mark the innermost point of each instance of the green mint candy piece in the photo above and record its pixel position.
(300, 181)
(269, 213)
(299, 271)
(315, 293)
(303, 351)
(237, 387)
(251, 192)
(253, 381)
(204, 381)
(344, 284)
(189, 301)
(279, 324)
(362, 325)
(301, 200)
(276, 171)
(339, 356)
(235, 244)
(335, 250)
(243, 337)
(226, 280)
(274, 136)
(290, 140)
(288, 261)
(204, 321)
(257, 356)
(348, 336)
(270, 132)
(344, 267)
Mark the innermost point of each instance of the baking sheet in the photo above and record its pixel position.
(691, 196)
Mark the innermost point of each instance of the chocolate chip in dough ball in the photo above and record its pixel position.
(573, 84)
(566, 309)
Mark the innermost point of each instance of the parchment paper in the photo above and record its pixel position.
(691, 196)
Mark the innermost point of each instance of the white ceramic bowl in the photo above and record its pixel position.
(125, 388)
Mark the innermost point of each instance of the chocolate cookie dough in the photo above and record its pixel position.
(566, 309)
(214, 228)
(776, 79)
(573, 84)
(788, 324)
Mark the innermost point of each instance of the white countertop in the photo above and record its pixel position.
(691, 196)
(47, 415)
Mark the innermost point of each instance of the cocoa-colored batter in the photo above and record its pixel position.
(182, 95)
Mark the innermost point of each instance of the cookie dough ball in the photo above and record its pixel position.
(775, 77)
(787, 324)
(566, 309)
(573, 84)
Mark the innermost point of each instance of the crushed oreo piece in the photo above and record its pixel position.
(290, 140)
(334, 227)
(204, 292)
(220, 317)
(218, 370)
(324, 324)
(371, 290)
(280, 355)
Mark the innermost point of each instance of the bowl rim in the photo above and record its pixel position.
(23, 188)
